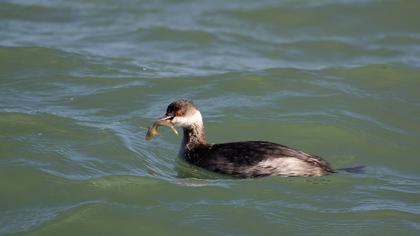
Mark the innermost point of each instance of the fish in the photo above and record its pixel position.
(153, 130)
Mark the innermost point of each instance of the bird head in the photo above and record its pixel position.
(182, 113)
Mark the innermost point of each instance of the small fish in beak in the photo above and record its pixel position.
(153, 131)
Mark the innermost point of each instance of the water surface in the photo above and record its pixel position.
(80, 81)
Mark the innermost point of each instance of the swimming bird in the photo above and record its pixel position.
(245, 159)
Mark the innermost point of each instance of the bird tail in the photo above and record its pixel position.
(354, 169)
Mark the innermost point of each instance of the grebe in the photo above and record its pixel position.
(246, 159)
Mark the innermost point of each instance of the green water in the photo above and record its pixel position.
(80, 82)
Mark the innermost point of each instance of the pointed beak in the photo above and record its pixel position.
(165, 121)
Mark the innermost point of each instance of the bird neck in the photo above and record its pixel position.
(193, 136)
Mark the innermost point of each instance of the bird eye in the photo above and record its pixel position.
(179, 113)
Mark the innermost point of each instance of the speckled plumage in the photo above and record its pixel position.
(241, 159)
(256, 158)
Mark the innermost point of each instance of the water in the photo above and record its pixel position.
(80, 81)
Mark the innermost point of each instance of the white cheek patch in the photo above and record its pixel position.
(188, 121)
(179, 120)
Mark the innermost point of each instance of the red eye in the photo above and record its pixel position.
(179, 113)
